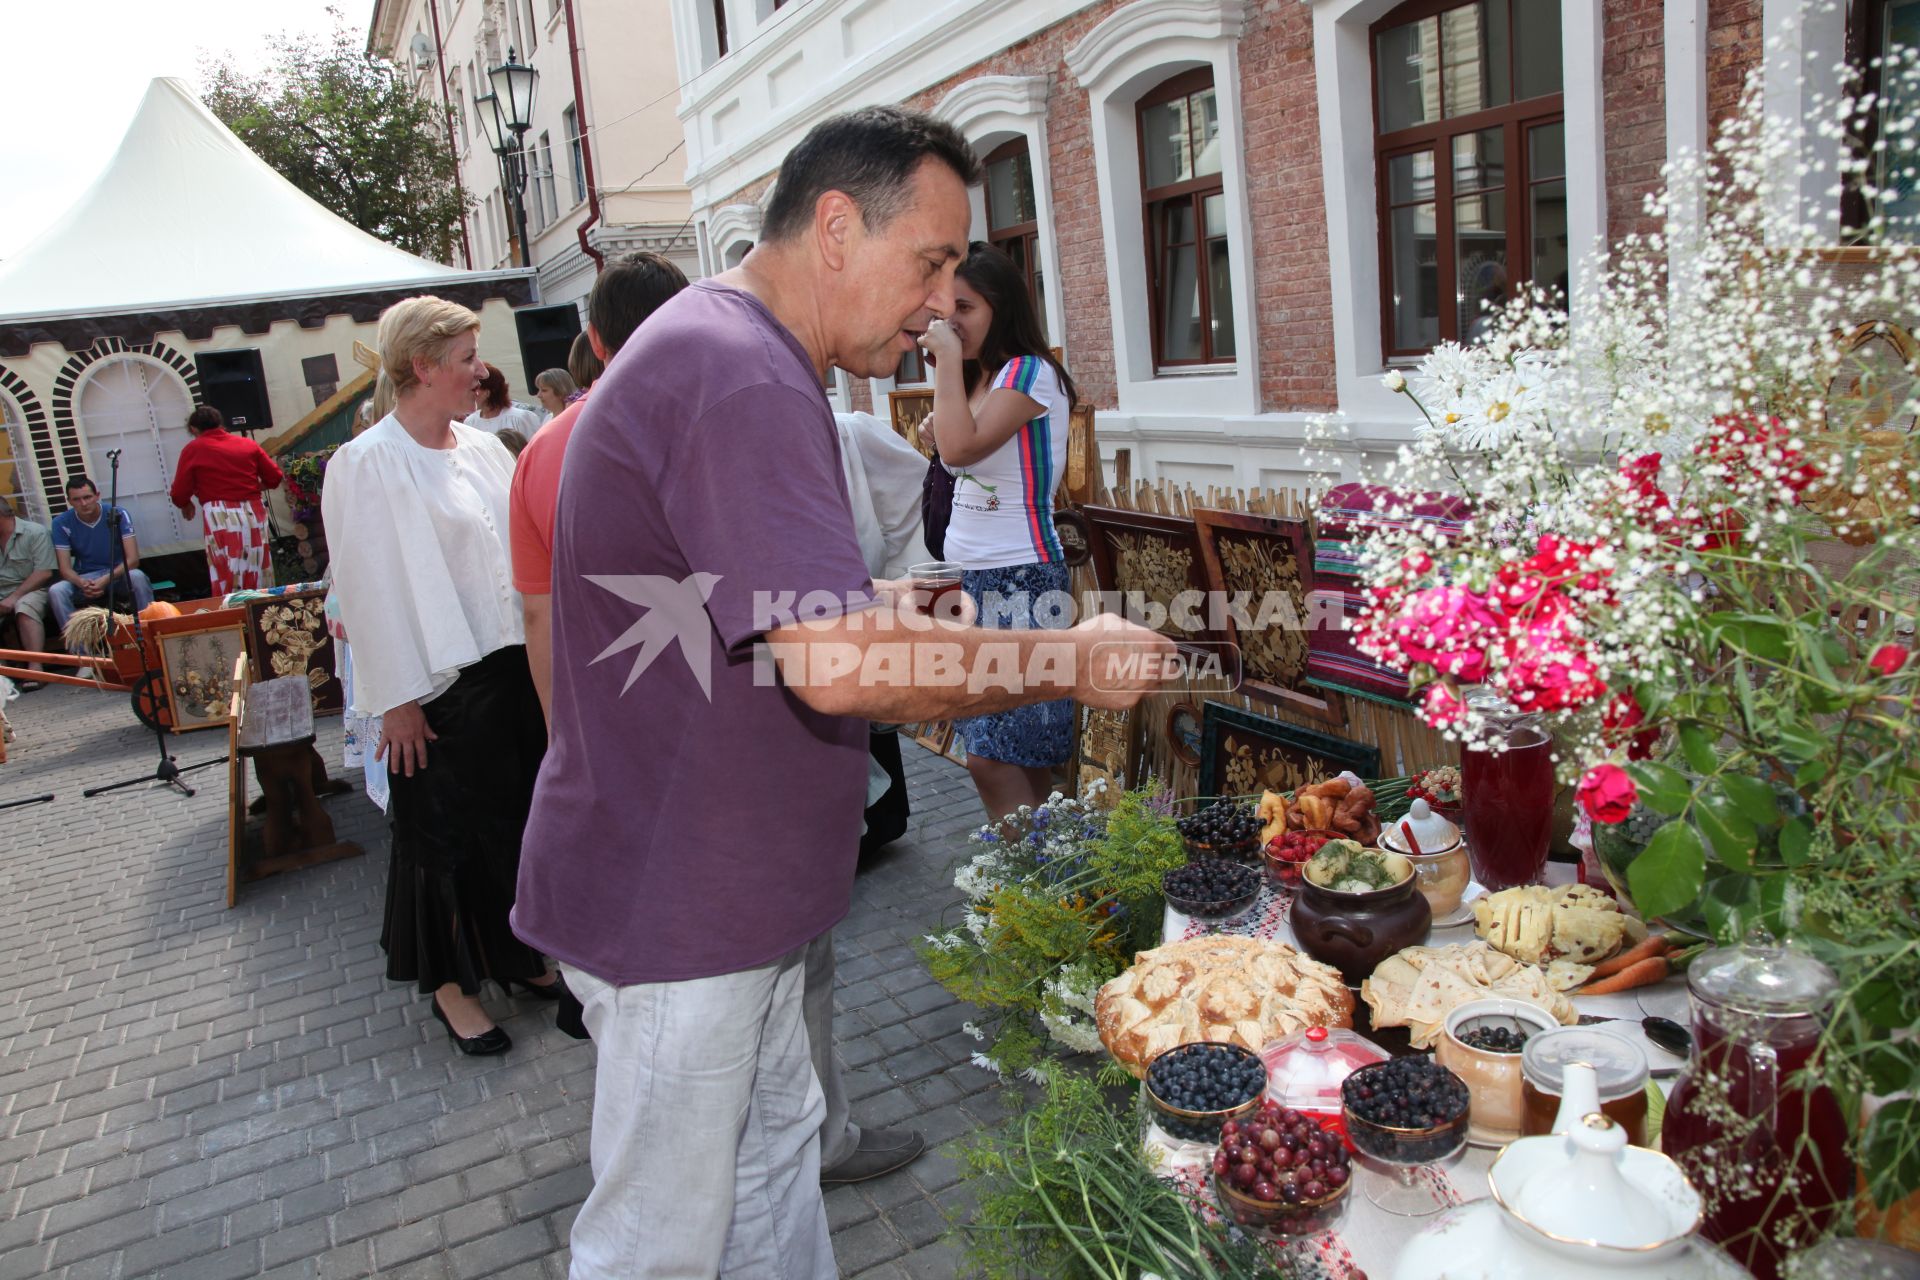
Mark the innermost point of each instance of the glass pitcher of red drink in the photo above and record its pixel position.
(1764, 1144)
(1506, 797)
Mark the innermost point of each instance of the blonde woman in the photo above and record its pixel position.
(416, 513)
(555, 389)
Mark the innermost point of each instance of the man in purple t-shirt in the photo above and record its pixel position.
(696, 823)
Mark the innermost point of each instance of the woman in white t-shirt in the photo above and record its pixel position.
(495, 411)
(1000, 410)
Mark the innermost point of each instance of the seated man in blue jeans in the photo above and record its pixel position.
(88, 565)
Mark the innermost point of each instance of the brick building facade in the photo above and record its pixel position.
(1308, 232)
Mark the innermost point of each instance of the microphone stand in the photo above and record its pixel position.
(166, 773)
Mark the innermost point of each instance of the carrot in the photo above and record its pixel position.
(1640, 973)
(1654, 944)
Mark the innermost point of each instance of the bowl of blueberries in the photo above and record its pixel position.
(1407, 1110)
(1279, 1170)
(1193, 1089)
(1220, 827)
(1212, 889)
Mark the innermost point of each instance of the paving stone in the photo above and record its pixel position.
(208, 1092)
(866, 1245)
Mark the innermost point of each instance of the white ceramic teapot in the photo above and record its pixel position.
(1576, 1206)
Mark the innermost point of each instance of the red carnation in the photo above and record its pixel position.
(1607, 793)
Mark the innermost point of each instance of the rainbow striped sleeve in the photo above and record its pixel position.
(1019, 375)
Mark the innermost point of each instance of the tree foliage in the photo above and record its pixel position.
(346, 129)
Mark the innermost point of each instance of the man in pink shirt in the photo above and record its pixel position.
(625, 295)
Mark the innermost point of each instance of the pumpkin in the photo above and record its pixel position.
(158, 609)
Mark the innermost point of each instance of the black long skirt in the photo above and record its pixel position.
(456, 832)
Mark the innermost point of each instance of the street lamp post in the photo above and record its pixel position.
(506, 113)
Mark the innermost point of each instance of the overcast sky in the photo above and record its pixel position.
(76, 71)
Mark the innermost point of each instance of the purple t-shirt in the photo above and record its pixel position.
(676, 835)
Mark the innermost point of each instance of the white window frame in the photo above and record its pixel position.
(1806, 42)
(1134, 50)
(1343, 75)
(576, 156)
(730, 225)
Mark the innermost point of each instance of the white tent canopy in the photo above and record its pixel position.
(186, 216)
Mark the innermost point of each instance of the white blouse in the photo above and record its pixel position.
(519, 417)
(419, 544)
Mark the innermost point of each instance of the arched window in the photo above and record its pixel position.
(1013, 220)
(139, 407)
(1184, 205)
(1470, 157)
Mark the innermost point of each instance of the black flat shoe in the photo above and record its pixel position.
(552, 991)
(488, 1042)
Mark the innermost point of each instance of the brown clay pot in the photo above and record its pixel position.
(1353, 932)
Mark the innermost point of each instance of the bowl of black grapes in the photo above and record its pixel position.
(1193, 1089)
(1220, 827)
(1211, 888)
(1406, 1111)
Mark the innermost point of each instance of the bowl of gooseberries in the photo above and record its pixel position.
(1279, 1171)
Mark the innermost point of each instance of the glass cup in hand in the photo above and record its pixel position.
(939, 579)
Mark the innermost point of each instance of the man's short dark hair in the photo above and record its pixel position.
(627, 293)
(81, 482)
(871, 156)
(203, 417)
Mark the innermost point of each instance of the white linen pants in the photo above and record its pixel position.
(706, 1131)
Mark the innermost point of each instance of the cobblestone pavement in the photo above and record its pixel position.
(187, 1090)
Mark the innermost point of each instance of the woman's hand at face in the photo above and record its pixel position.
(404, 735)
(940, 342)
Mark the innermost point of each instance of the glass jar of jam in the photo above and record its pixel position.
(1620, 1069)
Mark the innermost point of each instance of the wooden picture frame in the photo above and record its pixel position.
(1244, 754)
(1104, 748)
(1185, 729)
(236, 780)
(1259, 555)
(1159, 558)
(907, 410)
(287, 635)
(934, 735)
(198, 664)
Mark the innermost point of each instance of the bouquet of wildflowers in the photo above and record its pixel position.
(1058, 899)
(1693, 552)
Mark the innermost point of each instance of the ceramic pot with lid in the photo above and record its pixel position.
(1583, 1205)
(1438, 854)
(1355, 931)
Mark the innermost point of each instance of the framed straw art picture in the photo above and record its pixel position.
(1242, 754)
(1265, 563)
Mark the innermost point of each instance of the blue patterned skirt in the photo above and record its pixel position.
(1039, 735)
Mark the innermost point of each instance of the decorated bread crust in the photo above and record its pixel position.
(1223, 988)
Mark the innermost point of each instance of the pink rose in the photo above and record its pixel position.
(1548, 668)
(1889, 658)
(1441, 706)
(1607, 793)
(1449, 628)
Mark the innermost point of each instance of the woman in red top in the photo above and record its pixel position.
(226, 474)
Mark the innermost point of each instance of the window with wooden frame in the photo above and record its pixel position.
(1878, 31)
(1470, 159)
(1013, 223)
(1184, 207)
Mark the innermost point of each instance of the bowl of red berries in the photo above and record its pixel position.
(1279, 1170)
(1193, 1089)
(1289, 851)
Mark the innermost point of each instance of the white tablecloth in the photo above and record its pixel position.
(1370, 1239)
